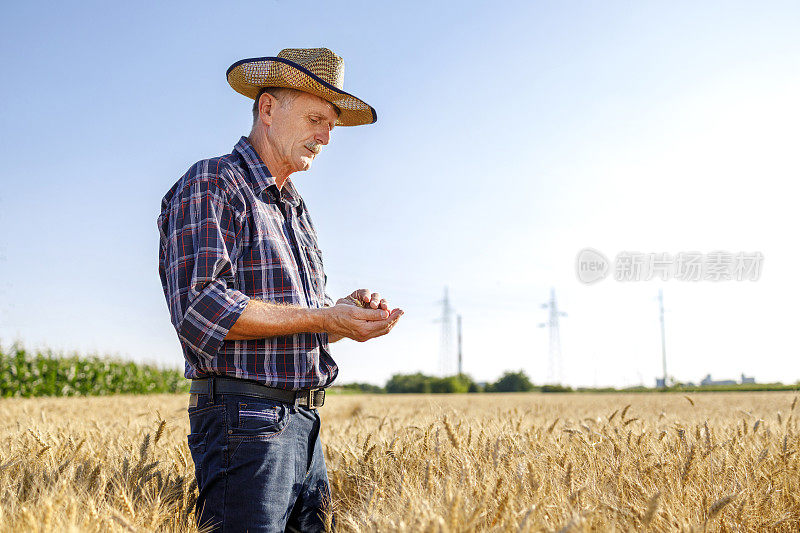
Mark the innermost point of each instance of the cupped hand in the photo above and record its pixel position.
(365, 298)
(361, 322)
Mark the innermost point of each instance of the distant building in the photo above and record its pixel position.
(708, 382)
(660, 384)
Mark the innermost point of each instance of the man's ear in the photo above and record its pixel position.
(266, 105)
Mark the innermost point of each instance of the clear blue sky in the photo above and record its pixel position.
(509, 136)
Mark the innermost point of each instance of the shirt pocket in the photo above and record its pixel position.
(316, 273)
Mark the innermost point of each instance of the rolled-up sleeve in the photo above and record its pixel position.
(198, 263)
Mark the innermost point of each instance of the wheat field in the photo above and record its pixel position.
(480, 462)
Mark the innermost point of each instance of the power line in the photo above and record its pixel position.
(446, 340)
(663, 383)
(554, 364)
(460, 366)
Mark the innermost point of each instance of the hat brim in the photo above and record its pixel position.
(248, 76)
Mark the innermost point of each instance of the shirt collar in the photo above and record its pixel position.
(261, 177)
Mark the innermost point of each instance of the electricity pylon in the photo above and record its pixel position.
(554, 365)
(446, 341)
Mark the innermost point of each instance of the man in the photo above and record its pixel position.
(245, 286)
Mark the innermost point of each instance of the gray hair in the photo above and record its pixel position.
(284, 95)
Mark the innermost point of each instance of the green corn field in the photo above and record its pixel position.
(25, 374)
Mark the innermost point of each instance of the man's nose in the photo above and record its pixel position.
(323, 136)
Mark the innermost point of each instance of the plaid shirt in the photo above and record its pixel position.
(228, 235)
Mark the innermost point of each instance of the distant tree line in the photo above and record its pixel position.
(420, 383)
(460, 383)
(519, 382)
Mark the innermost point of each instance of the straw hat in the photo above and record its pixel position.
(313, 70)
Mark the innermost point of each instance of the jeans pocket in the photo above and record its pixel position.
(197, 446)
(197, 443)
(259, 418)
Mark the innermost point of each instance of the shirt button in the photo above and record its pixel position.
(230, 431)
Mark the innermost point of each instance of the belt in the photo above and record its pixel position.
(311, 398)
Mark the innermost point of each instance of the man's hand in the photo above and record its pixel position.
(361, 316)
(365, 298)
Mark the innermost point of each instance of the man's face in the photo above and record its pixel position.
(299, 128)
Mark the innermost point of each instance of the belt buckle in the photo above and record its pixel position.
(310, 397)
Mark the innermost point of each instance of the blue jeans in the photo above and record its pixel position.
(258, 463)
